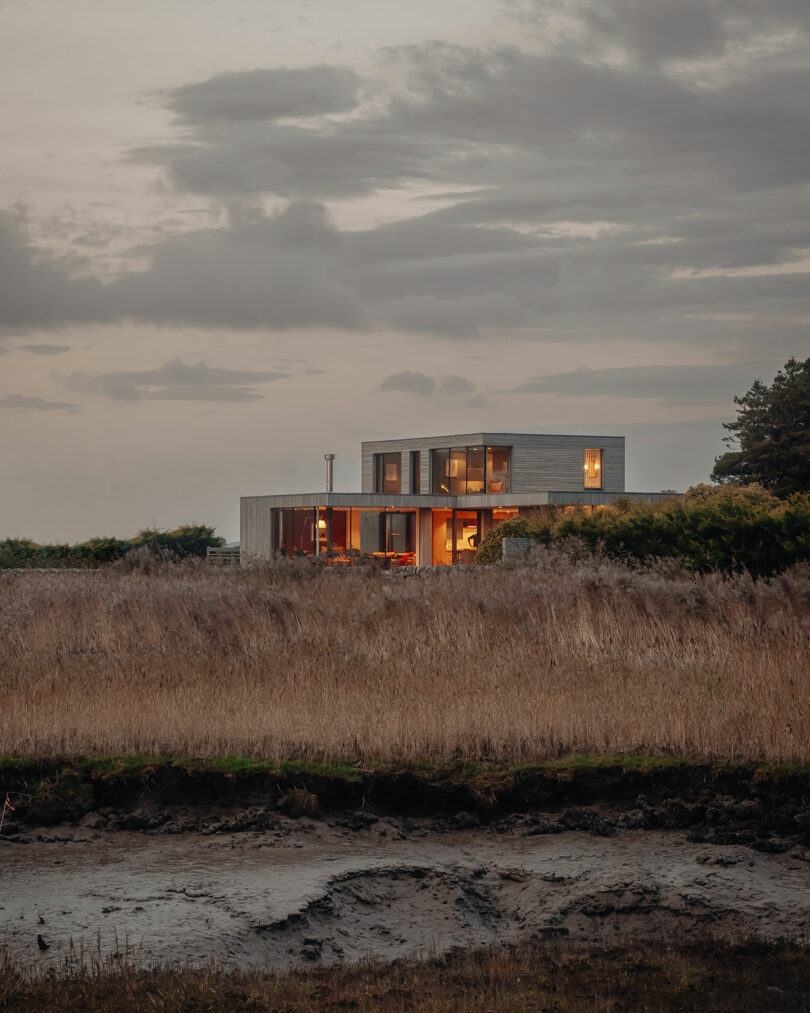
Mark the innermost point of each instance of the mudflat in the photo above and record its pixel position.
(340, 889)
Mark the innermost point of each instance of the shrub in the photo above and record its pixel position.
(489, 550)
(728, 529)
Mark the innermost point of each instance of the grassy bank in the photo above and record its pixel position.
(563, 655)
(720, 979)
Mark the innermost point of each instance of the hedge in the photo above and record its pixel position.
(187, 540)
(726, 528)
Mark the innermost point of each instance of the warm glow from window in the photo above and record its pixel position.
(593, 469)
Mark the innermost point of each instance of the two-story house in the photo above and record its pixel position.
(430, 500)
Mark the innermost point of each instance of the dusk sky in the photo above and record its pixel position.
(237, 234)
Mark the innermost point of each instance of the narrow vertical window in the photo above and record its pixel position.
(416, 467)
(388, 473)
(393, 474)
(593, 469)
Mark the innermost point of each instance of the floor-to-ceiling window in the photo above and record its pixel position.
(381, 533)
(498, 468)
(456, 536)
(462, 471)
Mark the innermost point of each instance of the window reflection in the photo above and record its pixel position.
(462, 471)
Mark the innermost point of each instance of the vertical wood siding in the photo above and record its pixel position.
(255, 528)
(539, 463)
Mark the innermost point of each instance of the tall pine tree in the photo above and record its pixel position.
(771, 434)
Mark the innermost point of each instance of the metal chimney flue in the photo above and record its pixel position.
(329, 458)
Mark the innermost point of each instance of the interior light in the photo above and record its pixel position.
(596, 467)
(586, 467)
(322, 524)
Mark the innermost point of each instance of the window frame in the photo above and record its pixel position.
(452, 458)
(593, 470)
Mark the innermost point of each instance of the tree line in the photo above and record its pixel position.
(180, 543)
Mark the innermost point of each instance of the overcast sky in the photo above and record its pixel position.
(237, 234)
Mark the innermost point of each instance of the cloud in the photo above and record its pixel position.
(45, 349)
(673, 385)
(35, 289)
(265, 94)
(411, 382)
(583, 195)
(37, 404)
(177, 381)
(659, 31)
(273, 272)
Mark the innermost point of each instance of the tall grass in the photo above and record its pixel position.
(564, 653)
(720, 979)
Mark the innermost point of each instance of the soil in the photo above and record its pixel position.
(309, 891)
(179, 863)
(767, 809)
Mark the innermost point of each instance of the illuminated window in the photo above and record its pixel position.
(593, 469)
(463, 471)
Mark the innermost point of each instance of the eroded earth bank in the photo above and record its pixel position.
(278, 869)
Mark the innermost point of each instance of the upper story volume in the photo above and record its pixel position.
(492, 464)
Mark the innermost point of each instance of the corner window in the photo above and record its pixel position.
(498, 469)
(593, 469)
(388, 473)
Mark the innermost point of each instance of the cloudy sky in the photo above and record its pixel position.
(236, 234)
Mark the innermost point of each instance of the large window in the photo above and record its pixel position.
(384, 533)
(593, 469)
(462, 471)
(388, 473)
(341, 535)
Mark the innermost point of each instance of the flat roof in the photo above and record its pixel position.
(483, 501)
(488, 437)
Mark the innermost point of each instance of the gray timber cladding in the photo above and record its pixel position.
(255, 533)
(538, 462)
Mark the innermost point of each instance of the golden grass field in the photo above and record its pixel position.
(561, 654)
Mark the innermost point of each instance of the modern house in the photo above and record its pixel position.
(430, 500)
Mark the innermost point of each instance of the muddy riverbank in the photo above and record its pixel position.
(320, 891)
(766, 808)
(283, 866)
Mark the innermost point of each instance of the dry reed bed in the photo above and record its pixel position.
(559, 654)
(756, 978)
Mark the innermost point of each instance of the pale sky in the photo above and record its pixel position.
(237, 234)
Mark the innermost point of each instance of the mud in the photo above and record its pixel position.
(322, 891)
(766, 809)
